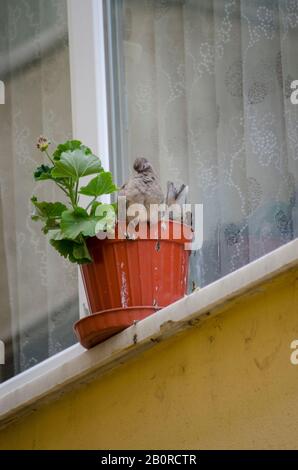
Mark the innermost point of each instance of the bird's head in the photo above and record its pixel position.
(142, 165)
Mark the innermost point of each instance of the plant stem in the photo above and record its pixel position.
(61, 187)
(90, 203)
(47, 154)
(71, 194)
(76, 191)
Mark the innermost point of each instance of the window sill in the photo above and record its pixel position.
(76, 366)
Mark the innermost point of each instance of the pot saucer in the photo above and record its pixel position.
(98, 327)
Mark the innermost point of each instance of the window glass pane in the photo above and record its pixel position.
(203, 91)
(38, 301)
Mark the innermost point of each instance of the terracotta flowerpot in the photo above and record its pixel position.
(98, 327)
(146, 274)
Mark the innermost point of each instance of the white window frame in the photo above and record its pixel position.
(88, 85)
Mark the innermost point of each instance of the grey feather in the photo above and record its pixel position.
(177, 195)
(143, 187)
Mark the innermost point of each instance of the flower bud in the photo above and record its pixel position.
(43, 143)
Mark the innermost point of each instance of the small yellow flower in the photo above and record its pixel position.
(42, 143)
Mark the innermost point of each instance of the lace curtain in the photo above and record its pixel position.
(206, 92)
(38, 290)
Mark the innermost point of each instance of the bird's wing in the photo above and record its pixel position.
(133, 190)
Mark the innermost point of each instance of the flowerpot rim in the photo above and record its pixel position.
(158, 238)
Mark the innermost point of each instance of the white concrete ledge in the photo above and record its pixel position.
(75, 366)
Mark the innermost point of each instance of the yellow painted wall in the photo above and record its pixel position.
(226, 384)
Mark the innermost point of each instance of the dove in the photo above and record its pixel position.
(142, 188)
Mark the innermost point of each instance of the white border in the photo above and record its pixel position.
(74, 366)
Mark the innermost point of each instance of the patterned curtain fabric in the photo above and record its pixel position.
(206, 91)
(38, 290)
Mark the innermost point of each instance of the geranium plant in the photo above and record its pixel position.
(66, 222)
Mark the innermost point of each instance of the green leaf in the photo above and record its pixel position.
(64, 247)
(42, 173)
(69, 146)
(81, 253)
(75, 251)
(75, 165)
(106, 218)
(47, 210)
(51, 224)
(49, 213)
(57, 235)
(94, 206)
(77, 222)
(86, 150)
(101, 184)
